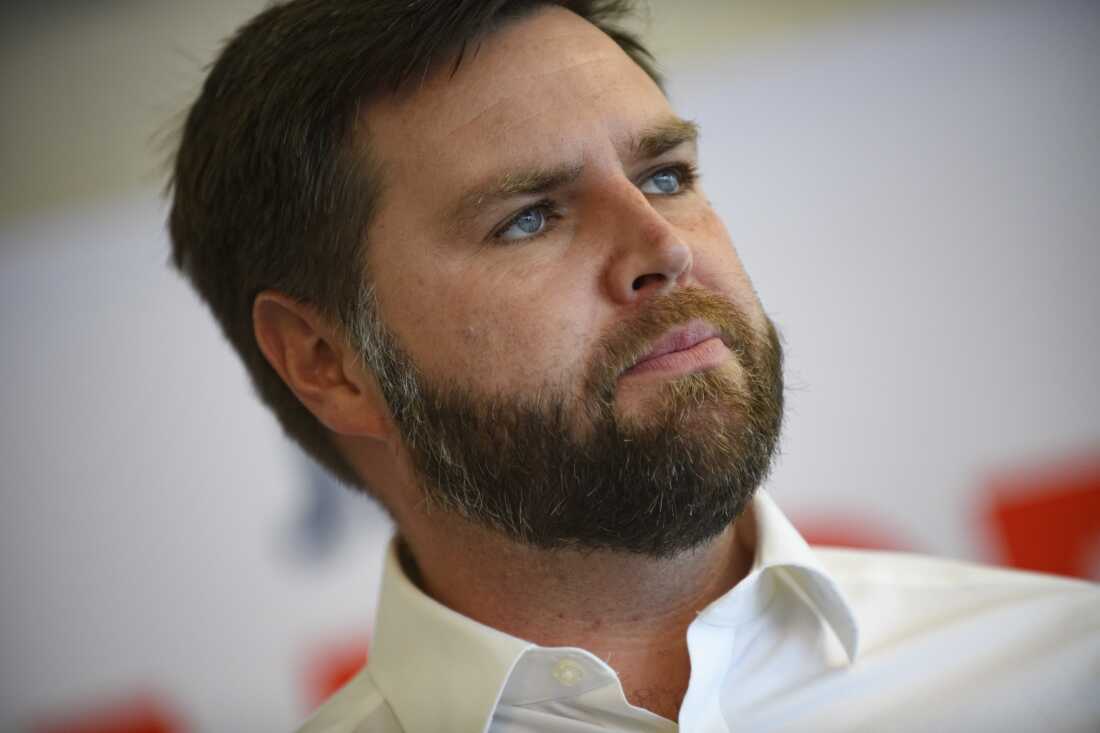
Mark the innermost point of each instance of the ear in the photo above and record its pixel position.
(319, 366)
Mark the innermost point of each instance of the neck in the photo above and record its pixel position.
(631, 611)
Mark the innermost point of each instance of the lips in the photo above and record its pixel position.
(681, 338)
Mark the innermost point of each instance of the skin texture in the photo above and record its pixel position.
(547, 91)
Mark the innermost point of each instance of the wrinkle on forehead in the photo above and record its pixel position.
(550, 49)
(491, 106)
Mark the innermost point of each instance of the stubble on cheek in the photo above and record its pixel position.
(516, 352)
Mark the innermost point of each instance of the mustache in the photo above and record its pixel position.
(625, 343)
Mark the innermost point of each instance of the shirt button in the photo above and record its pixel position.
(568, 672)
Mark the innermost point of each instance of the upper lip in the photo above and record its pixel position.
(680, 338)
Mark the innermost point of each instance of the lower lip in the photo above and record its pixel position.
(704, 355)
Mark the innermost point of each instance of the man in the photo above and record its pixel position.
(463, 251)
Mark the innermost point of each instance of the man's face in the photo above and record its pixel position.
(539, 235)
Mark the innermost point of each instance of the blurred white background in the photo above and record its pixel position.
(914, 188)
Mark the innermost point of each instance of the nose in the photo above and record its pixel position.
(649, 258)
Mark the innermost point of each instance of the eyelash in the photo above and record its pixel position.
(688, 174)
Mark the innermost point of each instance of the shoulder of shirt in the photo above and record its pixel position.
(897, 598)
(909, 569)
(358, 707)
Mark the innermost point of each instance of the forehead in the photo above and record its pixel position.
(547, 86)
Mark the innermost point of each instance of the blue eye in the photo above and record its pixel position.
(670, 182)
(529, 223)
(664, 182)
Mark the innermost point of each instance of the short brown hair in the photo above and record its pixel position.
(273, 186)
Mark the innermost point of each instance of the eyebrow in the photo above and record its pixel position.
(528, 182)
(652, 142)
(667, 135)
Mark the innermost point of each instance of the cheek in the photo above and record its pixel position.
(717, 265)
(495, 330)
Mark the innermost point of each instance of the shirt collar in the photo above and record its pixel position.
(440, 670)
(780, 548)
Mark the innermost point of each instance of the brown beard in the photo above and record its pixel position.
(551, 471)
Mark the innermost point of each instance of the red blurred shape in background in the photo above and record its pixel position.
(332, 667)
(142, 713)
(1048, 518)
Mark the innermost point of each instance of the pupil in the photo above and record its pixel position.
(530, 222)
(666, 182)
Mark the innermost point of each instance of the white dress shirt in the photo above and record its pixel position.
(810, 640)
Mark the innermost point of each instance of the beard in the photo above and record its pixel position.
(554, 471)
